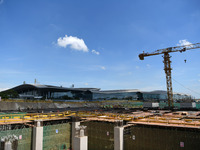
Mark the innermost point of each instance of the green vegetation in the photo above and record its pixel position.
(9, 94)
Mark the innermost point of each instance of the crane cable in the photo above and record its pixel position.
(185, 87)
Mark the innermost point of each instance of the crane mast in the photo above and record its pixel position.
(167, 68)
(167, 64)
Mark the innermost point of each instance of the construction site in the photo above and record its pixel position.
(110, 129)
(104, 125)
(99, 75)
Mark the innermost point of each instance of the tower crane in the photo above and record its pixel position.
(167, 64)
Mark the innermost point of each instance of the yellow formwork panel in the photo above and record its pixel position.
(188, 120)
(27, 117)
(16, 117)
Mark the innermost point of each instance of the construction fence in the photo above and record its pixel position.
(57, 137)
(21, 138)
(145, 137)
(100, 135)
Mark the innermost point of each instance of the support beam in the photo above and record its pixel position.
(38, 136)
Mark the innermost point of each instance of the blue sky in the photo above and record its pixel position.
(95, 43)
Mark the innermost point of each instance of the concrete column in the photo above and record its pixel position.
(8, 145)
(37, 136)
(79, 140)
(7, 142)
(74, 126)
(118, 138)
(81, 143)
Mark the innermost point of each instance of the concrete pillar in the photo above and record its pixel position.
(118, 138)
(37, 136)
(81, 143)
(79, 140)
(74, 126)
(8, 145)
(7, 142)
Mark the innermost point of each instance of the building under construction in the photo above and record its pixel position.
(101, 130)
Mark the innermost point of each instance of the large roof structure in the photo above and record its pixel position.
(117, 91)
(50, 88)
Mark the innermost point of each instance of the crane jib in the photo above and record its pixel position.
(170, 50)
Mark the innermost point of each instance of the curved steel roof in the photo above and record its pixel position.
(50, 87)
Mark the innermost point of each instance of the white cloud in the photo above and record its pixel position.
(148, 66)
(183, 43)
(86, 83)
(74, 43)
(103, 68)
(1, 1)
(137, 67)
(95, 52)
